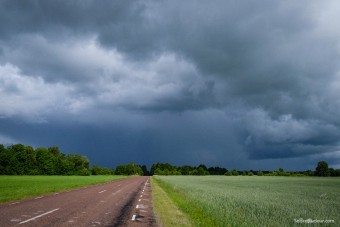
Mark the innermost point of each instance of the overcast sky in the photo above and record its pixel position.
(237, 84)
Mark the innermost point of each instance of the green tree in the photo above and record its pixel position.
(322, 169)
(203, 167)
(273, 173)
(228, 173)
(67, 166)
(30, 161)
(18, 158)
(185, 170)
(7, 160)
(2, 148)
(81, 164)
(129, 169)
(234, 172)
(121, 170)
(2, 159)
(45, 161)
(164, 167)
(145, 170)
(337, 172)
(331, 172)
(54, 150)
(217, 170)
(95, 170)
(202, 171)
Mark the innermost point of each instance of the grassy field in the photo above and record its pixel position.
(254, 201)
(19, 187)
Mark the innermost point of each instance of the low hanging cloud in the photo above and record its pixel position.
(210, 81)
(288, 137)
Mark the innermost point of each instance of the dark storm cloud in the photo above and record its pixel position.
(287, 137)
(50, 17)
(184, 81)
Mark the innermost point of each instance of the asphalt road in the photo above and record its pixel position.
(125, 202)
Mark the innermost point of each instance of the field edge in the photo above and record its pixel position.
(166, 212)
(195, 213)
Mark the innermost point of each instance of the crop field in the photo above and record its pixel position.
(19, 187)
(255, 201)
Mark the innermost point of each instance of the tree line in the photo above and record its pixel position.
(128, 169)
(321, 169)
(168, 169)
(18, 159)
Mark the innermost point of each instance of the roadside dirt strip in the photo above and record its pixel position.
(125, 202)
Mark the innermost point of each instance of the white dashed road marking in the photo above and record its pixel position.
(16, 220)
(133, 217)
(13, 203)
(31, 219)
(102, 191)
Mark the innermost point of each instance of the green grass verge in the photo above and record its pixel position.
(196, 214)
(19, 187)
(166, 211)
(254, 201)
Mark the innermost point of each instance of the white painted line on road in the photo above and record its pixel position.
(102, 191)
(141, 206)
(139, 200)
(133, 217)
(31, 219)
(116, 192)
(137, 206)
(39, 197)
(141, 196)
(16, 220)
(13, 203)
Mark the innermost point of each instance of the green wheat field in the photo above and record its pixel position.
(253, 200)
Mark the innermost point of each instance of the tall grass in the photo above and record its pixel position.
(256, 201)
(19, 187)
